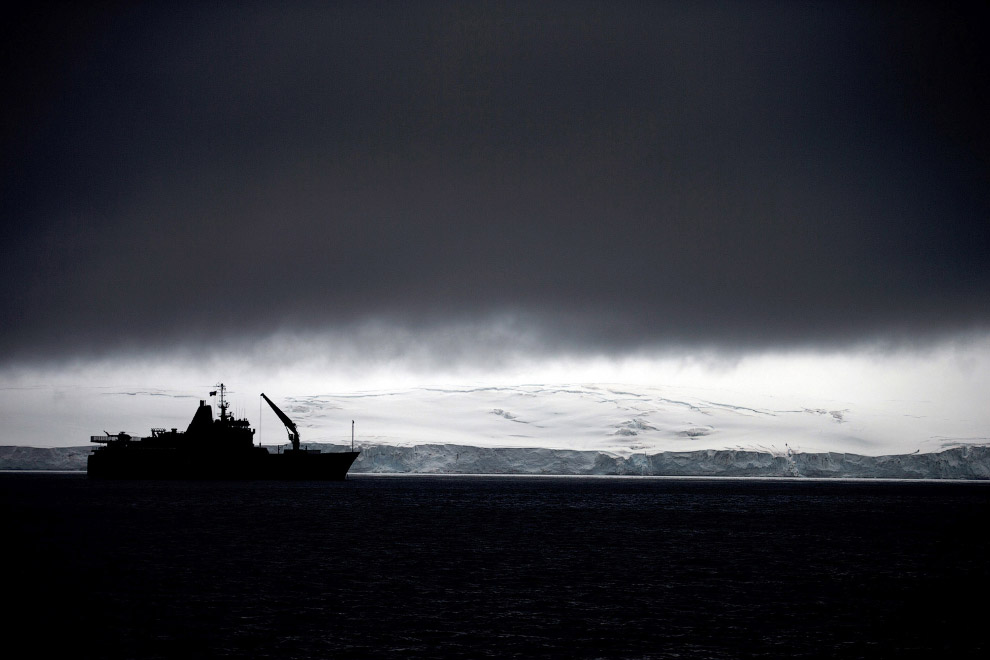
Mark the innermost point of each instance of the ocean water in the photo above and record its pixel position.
(499, 567)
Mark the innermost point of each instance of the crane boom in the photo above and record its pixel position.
(290, 426)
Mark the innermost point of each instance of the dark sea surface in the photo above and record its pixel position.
(501, 567)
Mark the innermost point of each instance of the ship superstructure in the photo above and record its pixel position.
(212, 448)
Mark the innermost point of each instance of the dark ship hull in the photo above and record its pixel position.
(211, 448)
(168, 463)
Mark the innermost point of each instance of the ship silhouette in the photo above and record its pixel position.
(212, 448)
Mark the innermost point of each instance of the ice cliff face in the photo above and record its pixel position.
(48, 458)
(971, 462)
(957, 463)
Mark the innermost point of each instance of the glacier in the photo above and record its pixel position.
(566, 429)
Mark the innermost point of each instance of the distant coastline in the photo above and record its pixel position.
(966, 462)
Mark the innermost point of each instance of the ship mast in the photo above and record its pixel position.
(223, 403)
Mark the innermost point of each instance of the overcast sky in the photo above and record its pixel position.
(467, 181)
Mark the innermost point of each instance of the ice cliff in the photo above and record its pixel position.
(965, 462)
(971, 462)
(43, 458)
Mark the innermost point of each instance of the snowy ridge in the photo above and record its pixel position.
(627, 420)
(969, 462)
(616, 419)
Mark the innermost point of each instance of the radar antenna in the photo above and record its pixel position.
(223, 402)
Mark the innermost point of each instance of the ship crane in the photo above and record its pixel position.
(290, 426)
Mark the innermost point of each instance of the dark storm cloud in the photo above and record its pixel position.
(613, 176)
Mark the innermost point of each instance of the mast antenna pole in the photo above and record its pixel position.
(352, 435)
(223, 402)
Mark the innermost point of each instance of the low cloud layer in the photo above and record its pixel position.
(595, 178)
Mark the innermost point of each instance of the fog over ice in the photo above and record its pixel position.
(560, 179)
